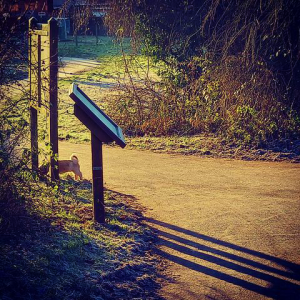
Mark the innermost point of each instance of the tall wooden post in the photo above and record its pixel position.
(43, 68)
(34, 95)
(34, 138)
(96, 32)
(53, 114)
(98, 190)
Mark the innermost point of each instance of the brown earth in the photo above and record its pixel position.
(228, 229)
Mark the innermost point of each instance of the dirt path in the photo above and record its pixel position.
(71, 66)
(230, 229)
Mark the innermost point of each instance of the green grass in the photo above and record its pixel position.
(87, 47)
(62, 254)
(50, 247)
(97, 83)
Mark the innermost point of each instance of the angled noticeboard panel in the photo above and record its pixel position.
(103, 121)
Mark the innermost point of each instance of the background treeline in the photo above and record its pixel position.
(227, 66)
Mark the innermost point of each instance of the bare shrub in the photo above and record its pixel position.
(230, 67)
(15, 174)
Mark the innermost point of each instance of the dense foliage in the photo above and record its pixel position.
(232, 66)
(13, 165)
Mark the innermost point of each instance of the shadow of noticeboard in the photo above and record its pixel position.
(103, 130)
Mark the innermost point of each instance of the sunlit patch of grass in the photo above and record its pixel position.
(195, 144)
(87, 47)
(98, 84)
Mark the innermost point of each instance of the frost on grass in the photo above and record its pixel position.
(62, 254)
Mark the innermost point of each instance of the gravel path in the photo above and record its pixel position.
(228, 229)
(71, 66)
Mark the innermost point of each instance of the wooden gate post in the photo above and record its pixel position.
(43, 69)
(53, 119)
(34, 138)
(34, 44)
(97, 169)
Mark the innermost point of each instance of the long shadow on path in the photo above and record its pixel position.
(278, 288)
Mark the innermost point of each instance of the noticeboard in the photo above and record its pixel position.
(102, 122)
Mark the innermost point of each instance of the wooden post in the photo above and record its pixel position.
(53, 120)
(34, 138)
(33, 79)
(76, 39)
(34, 55)
(97, 168)
(43, 69)
(38, 71)
(96, 32)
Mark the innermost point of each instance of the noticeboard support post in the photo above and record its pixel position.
(103, 130)
(98, 189)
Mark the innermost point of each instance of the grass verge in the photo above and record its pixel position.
(60, 253)
(210, 145)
